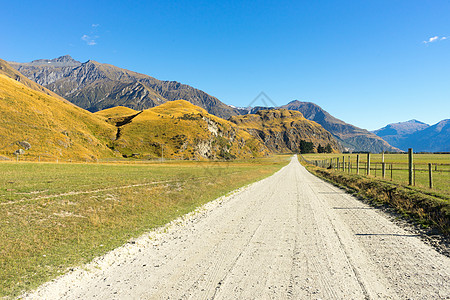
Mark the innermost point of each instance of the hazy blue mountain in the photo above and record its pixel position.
(396, 133)
(418, 135)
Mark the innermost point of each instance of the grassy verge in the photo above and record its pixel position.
(441, 168)
(427, 210)
(56, 216)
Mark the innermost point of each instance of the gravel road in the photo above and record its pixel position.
(289, 236)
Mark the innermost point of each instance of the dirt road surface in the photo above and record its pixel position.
(289, 236)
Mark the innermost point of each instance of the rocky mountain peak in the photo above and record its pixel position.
(401, 128)
(62, 61)
(65, 59)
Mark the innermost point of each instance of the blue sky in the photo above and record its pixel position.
(368, 63)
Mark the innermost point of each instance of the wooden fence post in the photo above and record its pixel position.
(337, 163)
(357, 163)
(343, 163)
(368, 163)
(383, 168)
(391, 171)
(410, 166)
(430, 175)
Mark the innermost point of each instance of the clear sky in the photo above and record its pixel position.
(368, 63)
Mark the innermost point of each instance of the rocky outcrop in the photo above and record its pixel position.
(352, 138)
(180, 130)
(24, 144)
(283, 131)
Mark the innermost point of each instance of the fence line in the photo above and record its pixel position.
(385, 170)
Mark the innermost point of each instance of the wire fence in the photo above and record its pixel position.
(424, 174)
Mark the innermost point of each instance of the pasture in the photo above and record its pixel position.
(54, 216)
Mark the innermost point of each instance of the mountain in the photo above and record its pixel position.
(351, 137)
(95, 86)
(38, 124)
(396, 133)
(283, 130)
(417, 135)
(45, 126)
(178, 129)
(10, 72)
(401, 128)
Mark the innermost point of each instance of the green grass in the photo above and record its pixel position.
(56, 216)
(441, 168)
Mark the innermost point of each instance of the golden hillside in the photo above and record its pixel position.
(118, 111)
(181, 130)
(8, 71)
(52, 127)
(282, 130)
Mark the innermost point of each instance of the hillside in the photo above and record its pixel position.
(10, 72)
(180, 130)
(282, 130)
(45, 126)
(95, 86)
(351, 137)
(417, 135)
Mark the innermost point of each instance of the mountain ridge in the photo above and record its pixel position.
(90, 85)
(418, 135)
(351, 137)
(96, 86)
(283, 130)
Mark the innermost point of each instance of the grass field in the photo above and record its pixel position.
(56, 216)
(441, 168)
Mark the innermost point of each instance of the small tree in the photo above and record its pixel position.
(320, 149)
(328, 149)
(306, 147)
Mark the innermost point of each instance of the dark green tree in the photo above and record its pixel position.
(328, 149)
(320, 149)
(306, 147)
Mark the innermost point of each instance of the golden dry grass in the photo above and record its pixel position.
(281, 121)
(114, 112)
(179, 130)
(53, 127)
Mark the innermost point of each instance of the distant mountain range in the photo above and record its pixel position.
(36, 122)
(95, 86)
(350, 137)
(417, 135)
